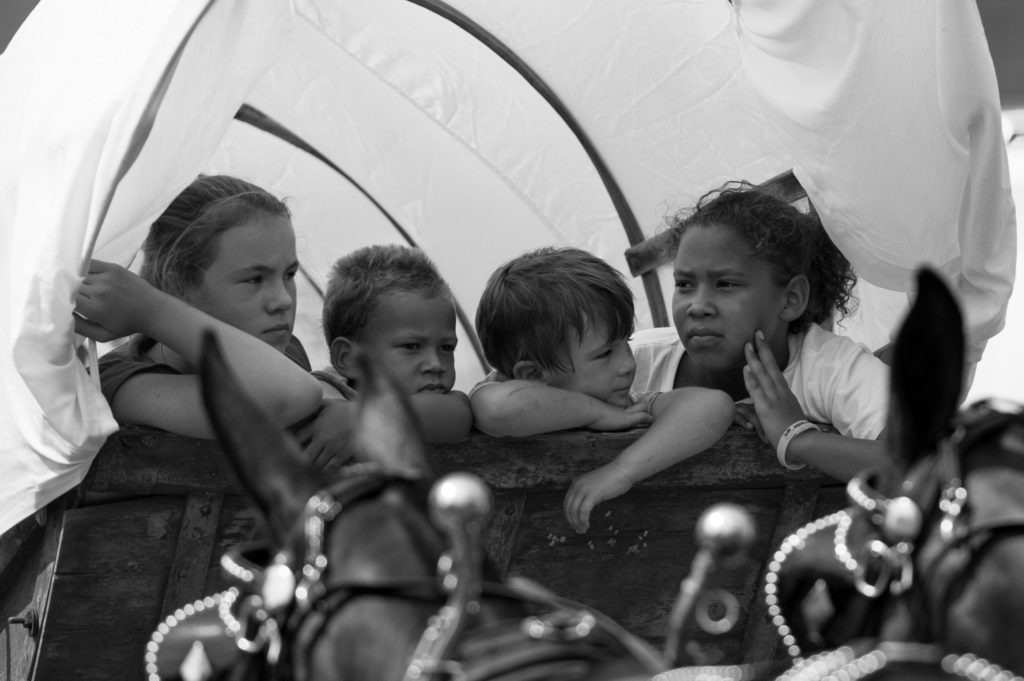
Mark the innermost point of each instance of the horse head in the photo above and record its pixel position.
(380, 572)
(926, 556)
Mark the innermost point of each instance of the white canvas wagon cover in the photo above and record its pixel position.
(477, 129)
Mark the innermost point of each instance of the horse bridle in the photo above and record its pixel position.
(884, 565)
(282, 602)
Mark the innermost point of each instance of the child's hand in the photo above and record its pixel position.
(111, 302)
(774, 401)
(589, 490)
(617, 418)
(746, 418)
(325, 439)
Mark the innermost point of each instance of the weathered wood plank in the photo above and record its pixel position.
(508, 513)
(28, 595)
(12, 542)
(555, 460)
(18, 598)
(639, 547)
(107, 654)
(84, 601)
(796, 509)
(186, 576)
(134, 536)
(136, 461)
(145, 461)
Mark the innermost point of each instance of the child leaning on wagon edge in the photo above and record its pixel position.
(391, 302)
(755, 279)
(554, 323)
(220, 258)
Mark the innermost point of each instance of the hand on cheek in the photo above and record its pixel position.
(774, 402)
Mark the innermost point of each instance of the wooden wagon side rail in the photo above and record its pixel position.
(143, 535)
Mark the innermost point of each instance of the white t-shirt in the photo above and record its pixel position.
(835, 380)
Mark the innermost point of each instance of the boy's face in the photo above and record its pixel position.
(413, 336)
(722, 295)
(601, 368)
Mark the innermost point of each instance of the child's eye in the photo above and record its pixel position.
(683, 285)
(289, 275)
(606, 353)
(728, 284)
(258, 279)
(448, 347)
(409, 346)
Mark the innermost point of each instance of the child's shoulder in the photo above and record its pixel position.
(333, 383)
(821, 353)
(818, 341)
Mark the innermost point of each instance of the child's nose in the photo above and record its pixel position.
(432, 361)
(700, 304)
(280, 298)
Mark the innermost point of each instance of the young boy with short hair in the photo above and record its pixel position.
(555, 325)
(390, 302)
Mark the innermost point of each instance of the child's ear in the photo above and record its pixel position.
(527, 370)
(795, 298)
(343, 357)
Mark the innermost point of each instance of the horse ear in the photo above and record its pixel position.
(386, 431)
(927, 369)
(267, 462)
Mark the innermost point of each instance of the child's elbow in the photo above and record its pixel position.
(490, 417)
(494, 423)
(722, 405)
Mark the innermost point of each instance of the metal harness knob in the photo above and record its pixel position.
(724, 533)
(460, 504)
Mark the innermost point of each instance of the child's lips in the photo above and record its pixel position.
(433, 388)
(702, 337)
(278, 329)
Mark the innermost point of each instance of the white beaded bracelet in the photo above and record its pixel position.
(795, 428)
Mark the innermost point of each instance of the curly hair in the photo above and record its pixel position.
(361, 279)
(533, 304)
(182, 243)
(779, 233)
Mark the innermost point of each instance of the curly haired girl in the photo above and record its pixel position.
(757, 284)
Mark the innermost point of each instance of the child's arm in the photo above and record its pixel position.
(112, 303)
(686, 421)
(519, 408)
(777, 408)
(443, 417)
(326, 438)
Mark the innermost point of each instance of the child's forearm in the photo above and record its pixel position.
(686, 422)
(837, 455)
(521, 408)
(443, 417)
(274, 381)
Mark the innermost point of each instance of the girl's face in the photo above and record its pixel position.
(414, 337)
(601, 368)
(251, 283)
(722, 295)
